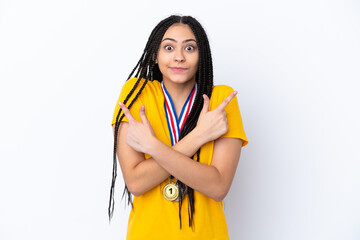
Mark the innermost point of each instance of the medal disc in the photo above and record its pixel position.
(170, 191)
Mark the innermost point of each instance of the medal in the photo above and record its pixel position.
(175, 124)
(171, 191)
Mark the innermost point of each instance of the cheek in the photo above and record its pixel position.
(196, 63)
(162, 63)
(162, 68)
(162, 59)
(196, 60)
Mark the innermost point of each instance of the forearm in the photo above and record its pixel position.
(213, 180)
(148, 173)
(203, 178)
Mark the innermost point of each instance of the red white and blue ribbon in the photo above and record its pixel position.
(176, 124)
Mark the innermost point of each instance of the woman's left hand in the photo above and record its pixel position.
(139, 134)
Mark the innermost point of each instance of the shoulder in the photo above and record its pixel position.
(220, 92)
(222, 88)
(132, 82)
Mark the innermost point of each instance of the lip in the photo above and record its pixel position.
(178, 70)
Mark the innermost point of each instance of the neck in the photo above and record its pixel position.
(179, 91)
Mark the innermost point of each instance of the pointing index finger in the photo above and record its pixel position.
(126, 112)
(227, 100)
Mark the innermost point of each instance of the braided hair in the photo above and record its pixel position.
(147, 69)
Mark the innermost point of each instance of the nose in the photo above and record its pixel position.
(179, 55)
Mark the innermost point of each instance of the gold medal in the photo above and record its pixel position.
(171, 191)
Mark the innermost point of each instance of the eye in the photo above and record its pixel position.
(190, 48)
(168, 47)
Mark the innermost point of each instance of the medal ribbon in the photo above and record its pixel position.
(175, 124)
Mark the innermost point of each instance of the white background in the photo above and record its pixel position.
(294, 63)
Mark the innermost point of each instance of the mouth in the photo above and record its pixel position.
(178, 70)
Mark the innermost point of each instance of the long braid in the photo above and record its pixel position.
(147, 69)
(145, 63)
(204, 76)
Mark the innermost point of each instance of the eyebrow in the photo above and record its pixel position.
(185, 41)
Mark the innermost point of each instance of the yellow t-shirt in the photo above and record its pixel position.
(155, 218)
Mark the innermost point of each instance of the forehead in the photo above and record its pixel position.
(179, 31)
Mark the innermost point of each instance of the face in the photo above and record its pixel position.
(178, 55)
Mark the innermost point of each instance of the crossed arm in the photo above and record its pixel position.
(140, 175)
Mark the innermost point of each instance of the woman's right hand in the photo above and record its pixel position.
(213, 124)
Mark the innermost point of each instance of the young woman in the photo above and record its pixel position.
(180, 137)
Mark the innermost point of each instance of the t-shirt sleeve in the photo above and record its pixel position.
(134, 110)
(236, 128)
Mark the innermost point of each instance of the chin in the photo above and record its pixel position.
(179, 79)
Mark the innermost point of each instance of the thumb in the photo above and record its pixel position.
(206, 104)
(143, 115)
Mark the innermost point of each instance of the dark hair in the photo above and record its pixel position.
(147, 69)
